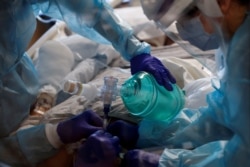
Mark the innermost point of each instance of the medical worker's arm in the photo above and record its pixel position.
(190, 144)
(27, 147)
(182, 132)
(95, 20)
(228, 106)
(230, 152)
(33, 145)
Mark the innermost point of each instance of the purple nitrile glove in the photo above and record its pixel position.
(146, 62)
(80, 126)
(140, 158)
(126, 132)
(100, 150)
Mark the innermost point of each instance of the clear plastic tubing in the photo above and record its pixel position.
(77, 88)
(109, 90)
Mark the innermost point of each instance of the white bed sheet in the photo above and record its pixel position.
(60, 57)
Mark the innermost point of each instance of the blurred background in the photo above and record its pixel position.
(123, 3)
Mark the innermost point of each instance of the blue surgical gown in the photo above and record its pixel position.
(18, 78)
(217, 135)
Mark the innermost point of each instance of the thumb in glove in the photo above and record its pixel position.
(100, 149)
(80, 126)
(126, 132)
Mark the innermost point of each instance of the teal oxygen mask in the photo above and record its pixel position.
(144, 97)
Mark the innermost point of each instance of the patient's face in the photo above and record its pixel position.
(45, 101)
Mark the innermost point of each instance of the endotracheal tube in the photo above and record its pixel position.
(109, 92)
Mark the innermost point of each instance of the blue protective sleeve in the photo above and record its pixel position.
(18, 90)
(185, 131)
(26, 149)
(96, 20)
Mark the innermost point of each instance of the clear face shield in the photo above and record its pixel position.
(180, 20)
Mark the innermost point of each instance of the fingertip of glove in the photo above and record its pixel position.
(172, 80)
(166, 83)
(169, 87)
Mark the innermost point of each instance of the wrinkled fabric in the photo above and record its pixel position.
(14, 150)
(217, 135)
(95, 20)
(17, 26)
(18, 78)
(16, 88)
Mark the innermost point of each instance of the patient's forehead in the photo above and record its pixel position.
(46, 96)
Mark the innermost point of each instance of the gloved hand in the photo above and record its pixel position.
(100, 149)
(78, 127)
(126, 132)
(152, 65)
(140, 158)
